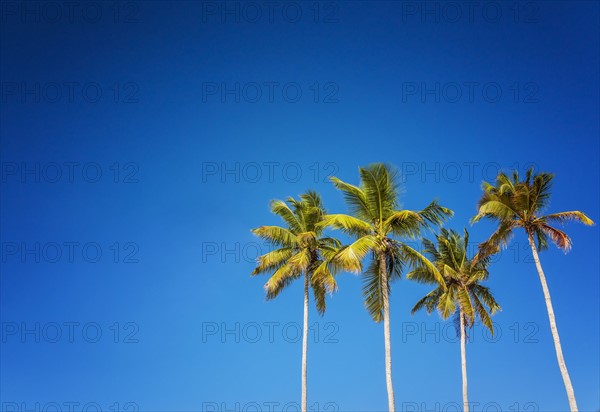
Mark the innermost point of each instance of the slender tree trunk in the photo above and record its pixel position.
(304, 342)
(386, 332)
(559, 355)
(463, 362)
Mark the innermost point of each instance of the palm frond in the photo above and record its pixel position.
(350, 257)
(540, 191)
(446, 305)
(428, 301)
(372, 291)
(329, 242)
(564, 217)
(405, 224)
(497, 241)
(495, 209)
(436, 215)
(285, 275)
(504, 184)
(355, 198)
(541, 239)
(450, 249)
(466, 306)
(416, 260)
(276, 235)
(483, 314)
(346, 223)
(272, 260)
(319, 293)
(324, 275)
(395, 263)
(312, 199)
(560, 238)
(379, 184)
(421, 275)
(484, 294)
(430, 250)
(450, 273)
(283, 210)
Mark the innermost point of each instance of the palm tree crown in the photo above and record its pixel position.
(462, 276)
(518, 203)
(375, 219)
(302, 248)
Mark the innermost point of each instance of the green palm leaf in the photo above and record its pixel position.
(272, 260)
(459, 291)
(305, 251)
(348, 224)
(350, 257)
(276, 235)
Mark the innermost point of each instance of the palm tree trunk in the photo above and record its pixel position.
(386, 333)
(559, 355)
(304, 342)
(463, 362)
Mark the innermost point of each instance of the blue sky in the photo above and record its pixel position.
(141, 142)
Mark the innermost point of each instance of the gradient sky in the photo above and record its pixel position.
(147, 138)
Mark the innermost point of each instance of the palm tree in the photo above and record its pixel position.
(375, 218)
(515, 203)
(464, 296)
(303, 252)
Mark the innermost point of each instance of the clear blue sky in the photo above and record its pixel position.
(123, 133)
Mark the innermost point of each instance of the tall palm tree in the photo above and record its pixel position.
(375, 219)
(514, 204)
(303, 253)
(464, 296)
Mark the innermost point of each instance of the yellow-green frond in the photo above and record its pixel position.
(276, 235)
(324, 276)
(350, 257)
(405, 223)
(417, 260)
(348, 224)
(429, 301)
(354, 197)
(301, 261)
(446, 304)
(281, 209)
(496, 209)
(280, 279)
(466, 306)
(574, 215)
(272, 260)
